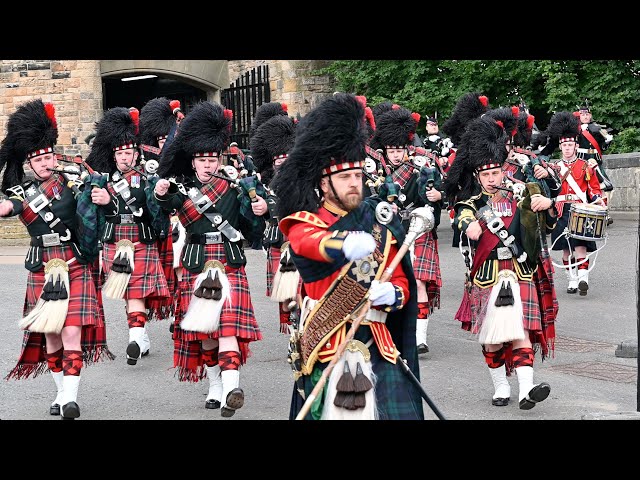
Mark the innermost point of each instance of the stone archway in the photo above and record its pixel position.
(186, 80)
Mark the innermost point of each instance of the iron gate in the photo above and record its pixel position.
(249, 92)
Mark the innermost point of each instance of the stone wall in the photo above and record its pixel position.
(293, 82)
(624, 172)
(73, 86)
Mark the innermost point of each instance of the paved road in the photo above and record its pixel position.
(587, 379)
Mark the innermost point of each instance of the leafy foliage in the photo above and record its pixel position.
(426, 86)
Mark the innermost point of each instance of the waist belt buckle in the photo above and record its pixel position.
(126, 218)
(50, 239)
(213, 237)
(504, 253)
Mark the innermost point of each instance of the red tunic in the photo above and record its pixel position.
(308, 240)
(586, 179)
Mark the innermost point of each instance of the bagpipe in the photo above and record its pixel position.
(419, 157)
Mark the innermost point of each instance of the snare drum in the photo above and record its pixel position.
(587, 221)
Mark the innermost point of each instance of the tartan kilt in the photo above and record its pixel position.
(32, 362)
(543, 280)
(83, 302)
(396, 396)
(479, 299)
(426, 267)
(147, 279)
(163, 307)
(236, 319)
(273, 263)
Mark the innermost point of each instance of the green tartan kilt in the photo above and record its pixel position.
(396, 396)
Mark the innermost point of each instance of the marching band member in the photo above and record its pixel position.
(327, 222)
(270, 145)
(159, 121)
(503, 308)
(471, 105)
(133, 221)
(62, 329)
(215, 322)
(579, 185)
(394, 134)
(593, 139)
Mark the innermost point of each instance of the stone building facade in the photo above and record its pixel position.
(294, 82)
(73, 86)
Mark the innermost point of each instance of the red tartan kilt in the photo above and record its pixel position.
(147, 279)
(479, 300)
(426, 267)
(273, 263)
(546, 289)
(165, 254)
(83, 303)
(237, 318)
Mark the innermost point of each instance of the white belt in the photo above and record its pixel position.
(587, 150)
(567, 198)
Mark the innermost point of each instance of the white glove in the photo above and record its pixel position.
(434, 138)
(382, 293)
(444, 152)
(584, 126)
(358, 245)
(447, 143)
(608, 138)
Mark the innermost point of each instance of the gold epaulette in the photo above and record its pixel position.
(303, 216)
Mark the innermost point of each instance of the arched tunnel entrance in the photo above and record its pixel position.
(136, 93)
(189, 81)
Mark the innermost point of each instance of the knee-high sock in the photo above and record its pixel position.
(229, 362)
(523, 363)
(284, 317)
(495, 362)
(71, 366)
(54, 361)
(422, 323)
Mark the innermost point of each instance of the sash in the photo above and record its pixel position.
(200, 200)
(121, 189)
(199, 203)
(565, 173)
(39, 203)
(594, 143)
(402, 174)
(487, 243)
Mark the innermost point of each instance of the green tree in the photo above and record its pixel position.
(547, 86)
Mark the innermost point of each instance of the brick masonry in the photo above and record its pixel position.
(74, 87)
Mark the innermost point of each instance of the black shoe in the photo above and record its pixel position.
(500, 402)
(54, 409)
(423, 348)
(583, 287)
(572, 290)
(144, 354)
(133, 353)
(235, 400)
(171, 327)
(609, 221)
(70, 411)
(212, 404)
(535, 395)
